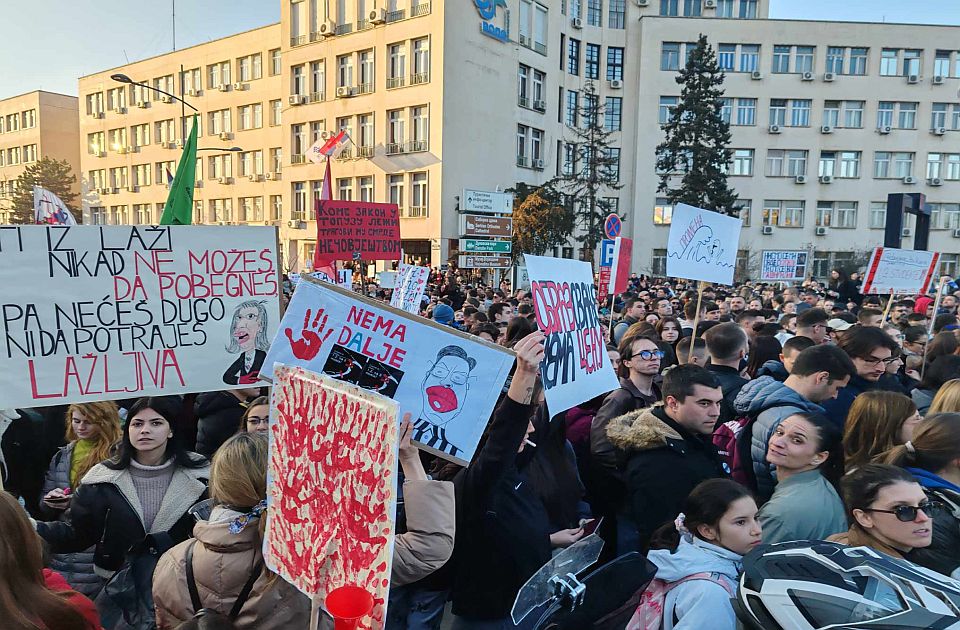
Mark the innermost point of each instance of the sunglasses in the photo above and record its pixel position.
(908, 513)
(646, 355)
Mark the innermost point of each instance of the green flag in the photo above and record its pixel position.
(179, 207)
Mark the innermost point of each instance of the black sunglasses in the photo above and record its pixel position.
(908, 513)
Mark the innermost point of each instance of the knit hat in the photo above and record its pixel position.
(921, 304)
(443, 314)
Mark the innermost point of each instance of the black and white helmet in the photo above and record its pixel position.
(809, 585)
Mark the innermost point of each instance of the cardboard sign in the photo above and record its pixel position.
(576, 367)
(900, 271)
(702, 245)
(347, 228)
(449, 381)
(411, 283)
(345, 278)
(783, 266)
(331, 487)
(108, 312)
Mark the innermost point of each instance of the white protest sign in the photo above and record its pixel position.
(345, 278)
(702, 245)
(411, 283)
(901, 271)
(783, 266)
(447, 380)
(107, 312)
(575, 367)
(388, 279)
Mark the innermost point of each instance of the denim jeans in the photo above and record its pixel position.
(413, 608)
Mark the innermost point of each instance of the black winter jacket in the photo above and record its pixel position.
(730, 384)
(219, 415)
(943, 554)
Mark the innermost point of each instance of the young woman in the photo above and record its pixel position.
(668, 329)
(877, 422)
(947, 399)
(932, 456)
(31, 597)
(887, 509)
(717, 527)
(762, 349)
(92, 430)
(805, 450)
(257, 416)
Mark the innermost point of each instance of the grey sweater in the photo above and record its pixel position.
(151, 483)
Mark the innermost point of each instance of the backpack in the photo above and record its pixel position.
(649, 613)
(733, 440)
(199, 610)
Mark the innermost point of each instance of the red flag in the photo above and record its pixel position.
(326, 194)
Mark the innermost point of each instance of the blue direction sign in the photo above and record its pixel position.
(612, 226)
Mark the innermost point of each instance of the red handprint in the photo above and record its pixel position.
(308, 346)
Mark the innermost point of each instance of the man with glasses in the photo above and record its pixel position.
(812, 323)
(871, 350)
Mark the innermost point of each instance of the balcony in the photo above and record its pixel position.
(540, 48)
(396, 148)
(365, 152)
(395, 82)
(298, 159)
(316, 97)
(298, 40)
(346, 154)
(419, 77)
(343, 29)
(523, 161)
(417, 146)
(523, 101)
(417, 212)
(422, 8)
(365, 88)
(363, 25)
(396, 16)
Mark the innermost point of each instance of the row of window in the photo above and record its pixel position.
(593, 15)
(248, 209)
(400, 137)
(310, 20)
(590, 55)
(745, 9)
(574, 102)
(18, 155)
(409, 191)
(217, 166)
(18, 120)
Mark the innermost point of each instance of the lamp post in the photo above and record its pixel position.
(231, 149)
(122, 78)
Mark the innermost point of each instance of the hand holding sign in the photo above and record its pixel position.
(308, 346)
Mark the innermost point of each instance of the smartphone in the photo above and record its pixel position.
(591, 526)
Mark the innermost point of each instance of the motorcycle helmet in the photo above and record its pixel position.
(809, 585)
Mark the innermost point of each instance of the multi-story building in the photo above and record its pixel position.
(34, 126)
(827, 117)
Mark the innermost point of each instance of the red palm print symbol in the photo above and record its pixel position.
(308, 346)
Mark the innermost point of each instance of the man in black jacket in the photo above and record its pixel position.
(668, 450)
(727, 347)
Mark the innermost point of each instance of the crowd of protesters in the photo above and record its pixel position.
(759, 413)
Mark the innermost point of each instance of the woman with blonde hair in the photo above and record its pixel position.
(878, 421)
(947, 399)
(92, 431)
(257, 415)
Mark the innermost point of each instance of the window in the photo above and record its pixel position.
(218, 74)
(95, 143)
(749, 55)
(828, 163)
(395, 185)
(275, 109)
(345, 189)
(572, 108)
(612, 113)
(889, 62)
(539, 79)
(366, 139)
(573, 57)
(421, 60)
(824, 213)
(845, 215)
(418, 182)
(616, 13)
(849, 165)
(220, 166)
(614, 63)
(397, 65)
(116, 100)
(669, 56)
(907, 118)
(669, 7)
(727, 57)
(298, 142)
(396, 131)
(345, 71)
(164, 83)
(421, 127)
(911, 62)
(726, 109)
(853, 114)
(748, 9)
(881, 164)
(94, 104)
(858, 61)
(746, 111)
(163, 131)
(141, 175)
(934, 165)
(799, 57)
(540, 19)
(365, 188)
(786, 162)
(938, 115)
(569, 159)
(594, 12)
(118, 138)
(299, 201)
(118, 177)
(800, 112)
(692, 8)
(667, 103)
(220, 121)
(250, 116)
(29, 119)
(781, 59)
(742, 162)
(141, 135)
(526, 7)
(831, 113)
(613, 155)
(835, 59)
(367, 77)
(878, 215)
(318, 80)
(29, 153)
(276, 207)
(249, 67)
(522, 132)
(251, 163)
(778, 111)
(724, 8)
(783, 213)
(275, 67)
(941, 63)
(897, 164)
(662, 211)
(885, 113)
(804, 60)
(164, 172)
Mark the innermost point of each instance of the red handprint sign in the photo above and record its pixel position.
(308, 345)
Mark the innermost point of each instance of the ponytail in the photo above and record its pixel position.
(935, 444)
(705, 505)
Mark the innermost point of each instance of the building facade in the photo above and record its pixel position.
(34, 126)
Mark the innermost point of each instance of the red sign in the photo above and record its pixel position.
(603, 286)
(347, 228)
(620, 273)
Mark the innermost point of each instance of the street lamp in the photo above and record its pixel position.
(122, 78)
(233, 149)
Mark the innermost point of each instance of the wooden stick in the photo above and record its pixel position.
(936, 307)
(696, 319)
(316, 616)
(886, 311)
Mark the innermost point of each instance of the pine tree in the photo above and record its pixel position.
(541, 219)
(54, 175)
(593, 171)
(697, 138)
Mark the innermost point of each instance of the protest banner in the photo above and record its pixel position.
(783, 266)
(899, 271)
(411, 283)
(702, 245)
(108, 312)
(575, 367)
(331, 487)
(345, 278)
(448, 381)
(346, 229)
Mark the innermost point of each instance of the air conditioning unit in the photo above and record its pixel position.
(169, 145)
(166, 99)
(576, 22)
(538, 164)
(253, 178)
(938, 80)
(224, 87)
(103, 191)
(540, 106)
(616, 84)
(936, 181)
(345, 91)
(328, 28)
(938, 131)
(756, 75)
(642, 3)
(226, 135)
(296, 99)
(239, 86)
(709, 4)
(767, 230)
(275, 175)
(821, 231)
(133, 189)
(826, 179)
(909, 179)
(774, 129)
(142, 104)
(826, 129)
(884, 130)
(378, 16)
(96, 114)
(193, 92)
(828, 76)
(119, 110)
(123, 150)
(296, 225)
(100, 154)
(906, 232)
(180, 144)
(224, 180)
(807, 76)
(114, 191)
(956, 233)
(913, 79)
(800, 179)
(524, 40)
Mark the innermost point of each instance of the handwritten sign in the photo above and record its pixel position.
(348, 228)
(702, 245)
(411, 283)
(576, 367)
(107, 312)
(449, 381)
(903, 271)
(331, 487)
(784, 266)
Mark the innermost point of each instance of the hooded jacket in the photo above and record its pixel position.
(943, 554)
(698, 604)
(774, 369)
(664, 463)
(218, 417)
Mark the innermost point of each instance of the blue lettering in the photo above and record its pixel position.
(495, 32)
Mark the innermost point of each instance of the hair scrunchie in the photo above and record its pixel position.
(910, 448)
(238, 524)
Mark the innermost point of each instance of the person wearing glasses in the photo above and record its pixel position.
(887, 509)
(256, 419)
(871, 350)
(812, 323)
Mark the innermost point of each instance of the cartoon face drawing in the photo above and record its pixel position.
(446, 385)
(248, 338)
(246, 327)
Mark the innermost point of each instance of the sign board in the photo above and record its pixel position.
(606, 262)
(783, 266)
(483, 262)
(484, 225)
(411, 283)
(483, 201)
(357, 230)
(331, 486)
(612, 226)
(483, 245)
(620, 271)
(903, 271)
(606, 252)
(702, 245)
(449, 381)
(575, 367)
(93, 313)
(387, 279)
(345, 278)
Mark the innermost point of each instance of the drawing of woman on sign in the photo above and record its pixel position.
(248, 336)
(445, 389)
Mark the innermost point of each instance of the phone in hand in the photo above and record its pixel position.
(591, 526)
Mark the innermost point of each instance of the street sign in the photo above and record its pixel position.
(612, 226)
(606, 252)
(483, 201)
(484, 225)
(481, 245)
(483, 262)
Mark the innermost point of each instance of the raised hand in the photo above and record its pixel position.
(308, 345)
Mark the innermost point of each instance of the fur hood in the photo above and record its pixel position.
(641, 430)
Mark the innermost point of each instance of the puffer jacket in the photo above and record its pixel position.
(943, 554)
(774, 369)
(218, 417)
(775, 402)
(76, 568)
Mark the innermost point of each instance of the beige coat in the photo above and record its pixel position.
(431, 523)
